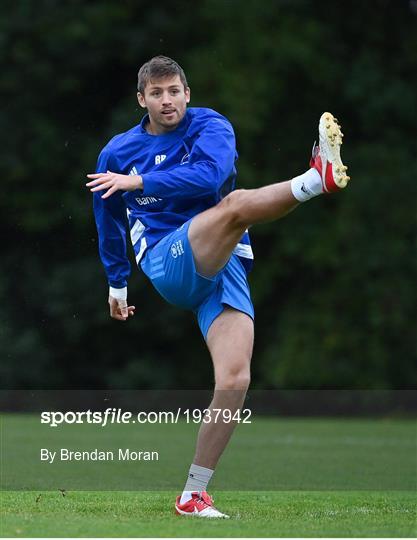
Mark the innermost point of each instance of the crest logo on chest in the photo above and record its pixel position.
(185, 159)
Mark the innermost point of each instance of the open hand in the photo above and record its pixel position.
(113, 182)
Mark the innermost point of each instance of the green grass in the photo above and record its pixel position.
(286, 477)
(302, 454)
(253, 514)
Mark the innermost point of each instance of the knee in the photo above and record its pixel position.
(234, 378)
(234, 205)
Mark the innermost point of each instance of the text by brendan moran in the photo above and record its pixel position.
(121, 454)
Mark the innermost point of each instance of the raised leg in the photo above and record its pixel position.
(213, 234)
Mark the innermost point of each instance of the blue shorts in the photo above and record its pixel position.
(170, 267)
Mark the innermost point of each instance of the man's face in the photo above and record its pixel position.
(166, 100)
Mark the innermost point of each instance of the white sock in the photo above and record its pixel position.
(307, 185)
(198, 479)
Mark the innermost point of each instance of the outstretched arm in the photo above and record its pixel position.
(113, 182)
(211, 163)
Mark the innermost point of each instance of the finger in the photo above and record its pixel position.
(93, 183)
(115, 313)
(110, 191)
(100, 187)
(118, 314)
(96, 175)
(97, 182)
(122, 308)
(124, 311)
(118, 317)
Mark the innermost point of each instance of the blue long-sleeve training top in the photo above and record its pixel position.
(184, 171)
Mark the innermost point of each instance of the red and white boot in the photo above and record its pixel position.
(200, 505)
(326, 156)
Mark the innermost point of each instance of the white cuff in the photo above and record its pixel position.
(119, 294)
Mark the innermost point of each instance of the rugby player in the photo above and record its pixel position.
(174, 175)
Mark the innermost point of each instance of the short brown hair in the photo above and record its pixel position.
(159, 67)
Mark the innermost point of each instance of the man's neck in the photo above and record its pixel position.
(155, 129)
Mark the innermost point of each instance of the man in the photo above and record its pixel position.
(175, 174)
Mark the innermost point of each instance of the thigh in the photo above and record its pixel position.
(213, 235)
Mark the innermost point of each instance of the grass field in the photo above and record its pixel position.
(253, 514)
(279, 477)
(271, 454)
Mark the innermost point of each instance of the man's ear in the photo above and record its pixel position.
(141, 100)
(187, 94)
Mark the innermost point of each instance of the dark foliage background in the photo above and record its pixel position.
(334, 282)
